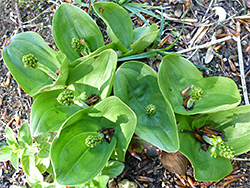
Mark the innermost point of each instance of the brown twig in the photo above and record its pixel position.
(206, 45)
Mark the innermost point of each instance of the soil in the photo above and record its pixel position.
(145, 169)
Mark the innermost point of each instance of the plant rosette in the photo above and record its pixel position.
(189, 93)
(233, 123)
(90, 138)
(136, 85)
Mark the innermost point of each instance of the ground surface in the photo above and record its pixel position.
(16, 17)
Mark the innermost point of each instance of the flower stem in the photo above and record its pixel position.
(47, 71)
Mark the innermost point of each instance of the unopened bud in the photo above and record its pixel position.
(30, 61)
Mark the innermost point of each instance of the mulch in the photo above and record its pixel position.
(145, 168)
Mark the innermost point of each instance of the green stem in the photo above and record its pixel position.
(80, 103)
(88, 49)
(48, 71)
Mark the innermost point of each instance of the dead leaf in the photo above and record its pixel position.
(210, 55)
(174, 162)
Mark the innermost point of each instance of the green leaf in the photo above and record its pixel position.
(14, 158)
(143, 37)
(94, 75)
(177, 73)
(113, 169)
(29, 167)
(73, 161)
(10, 137)
(24, 135)
(136, 85)
(44, 150)
(234, 123)
(42, 163)
(143, 31)
(5, 153)
(97, 182)
(98, 51)
(30, 80)
(48, 115)
(206, 168)
(71, 22)
(48, 137)
(119, 24)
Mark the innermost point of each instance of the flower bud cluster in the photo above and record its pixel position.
(150, 110)
(224, 149)
(191, 94)
(30, 61)
(196, 93)
(66, 98)
(77, 45)
(92, 141)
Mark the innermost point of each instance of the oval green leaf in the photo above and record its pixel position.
(136, 85)
(10, 137)
(113, 169)
(234, 123)
(24, 135)
(119, 24)
(206, 168)
(5, 153)
(94, 75)
(73, 161)
(30, 80)
(71, 22)
(48, 115)
(29, 167)
(143, 37)
(177, 73)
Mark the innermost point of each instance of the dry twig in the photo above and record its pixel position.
(206, 45)
(242, 73)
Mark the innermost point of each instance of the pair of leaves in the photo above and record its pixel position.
(120, 29)
(71, 22)
(73, 161)
(33, 81)
(136, 85)
(177, 73)
(234, 123)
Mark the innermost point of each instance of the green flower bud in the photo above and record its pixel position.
(82, 96)
(150, 110)
(66, 98)
(216, 140)
(190, 103)
(196, 93)
(213, 151)
(77, 45)
(92, 141)
(30, 61)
